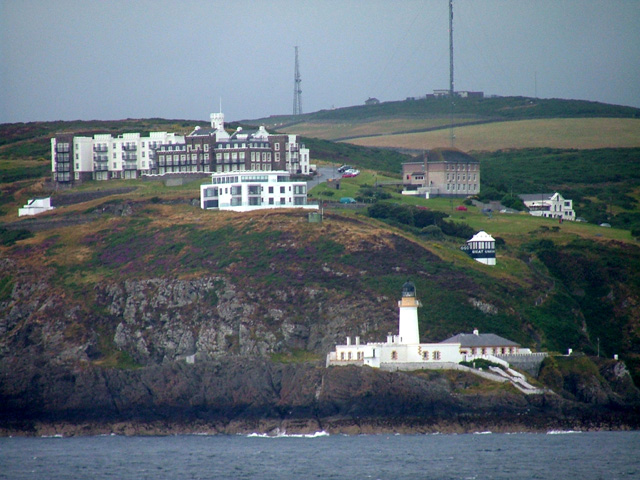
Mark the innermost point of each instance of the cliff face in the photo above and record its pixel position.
(97, 318)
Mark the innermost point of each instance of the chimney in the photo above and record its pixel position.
(476, 332)
(357, 340)
(348, 341)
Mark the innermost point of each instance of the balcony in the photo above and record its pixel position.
(63, 167)
(63, 148)
(100, 168)
(129, 157)
(100, 158)
(129, 147)
(130, 166)
(100, 148)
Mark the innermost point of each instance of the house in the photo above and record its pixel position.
(443, 172)
(371, 101)
(35, 206)
(203, 151)
(476, 343)
(243, 191)
(399, 351)
(482, 248)
(549, 205)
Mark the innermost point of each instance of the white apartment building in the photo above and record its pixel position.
(549, 205)
(104, 157)
(243, 191)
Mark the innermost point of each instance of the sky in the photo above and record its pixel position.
(116, 59)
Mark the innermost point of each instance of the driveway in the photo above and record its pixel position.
(324, 174)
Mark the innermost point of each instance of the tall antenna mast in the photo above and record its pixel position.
(451, 92)
(297, 90)
(451, 89)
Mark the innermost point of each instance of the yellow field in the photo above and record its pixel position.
(581, 133)
(333, 130)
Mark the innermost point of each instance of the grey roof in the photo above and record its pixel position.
(531, 197)
(480, 340)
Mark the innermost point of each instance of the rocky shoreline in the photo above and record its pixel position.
(245, 396)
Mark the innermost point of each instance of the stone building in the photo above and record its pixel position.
(443, 172)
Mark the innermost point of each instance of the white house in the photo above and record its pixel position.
(550, 205)
(482, 248)
(399, 350)
(104, 157)
(35, 206)
(243, 191)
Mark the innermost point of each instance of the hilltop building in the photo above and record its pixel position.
(549, 205)
(443, 172)
(204, 150)
(243, 191)
(482, 248)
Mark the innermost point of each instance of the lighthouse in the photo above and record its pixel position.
(408, 331)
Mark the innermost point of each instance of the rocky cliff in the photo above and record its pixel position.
(97, 318)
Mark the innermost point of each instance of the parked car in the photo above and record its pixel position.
(607, 225)
(349, 175)
(344, 168)
(347, 200)
(461, 208)
(580, 219)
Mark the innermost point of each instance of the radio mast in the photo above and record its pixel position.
(451, 88)
(297, 90)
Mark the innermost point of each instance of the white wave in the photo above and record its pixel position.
(482, 433)
(284, 434)
(562, 432)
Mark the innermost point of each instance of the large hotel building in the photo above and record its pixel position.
(205, 150)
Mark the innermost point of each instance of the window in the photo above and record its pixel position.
(341, 355)
(394, 355)
(270, 189)
(425, 355)
(282, 189)
(436, 355)
(277, 146)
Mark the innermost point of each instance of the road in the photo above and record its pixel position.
(324, 174)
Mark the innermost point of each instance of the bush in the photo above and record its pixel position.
(9, 237)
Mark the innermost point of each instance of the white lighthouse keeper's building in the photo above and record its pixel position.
(402, 351)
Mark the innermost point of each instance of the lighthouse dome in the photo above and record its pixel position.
(408, 289)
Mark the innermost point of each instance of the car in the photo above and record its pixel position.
(607, 225)
(580, 219)
(461, 208)
(349, 175)
(347, 200)
(344, 168)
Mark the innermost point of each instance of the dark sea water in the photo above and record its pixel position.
(598, 455)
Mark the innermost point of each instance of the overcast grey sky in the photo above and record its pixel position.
(113, 59)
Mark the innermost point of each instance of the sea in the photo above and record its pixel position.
(483, 455)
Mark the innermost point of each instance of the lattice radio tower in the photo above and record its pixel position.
(297, 90)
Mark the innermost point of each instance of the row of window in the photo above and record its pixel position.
(461, 186)
(457, 166)
(452, 176)
(254, 190)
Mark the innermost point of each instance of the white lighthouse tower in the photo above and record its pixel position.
(408, 331)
